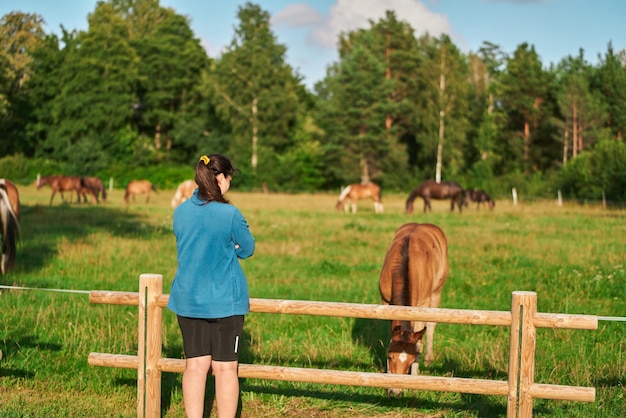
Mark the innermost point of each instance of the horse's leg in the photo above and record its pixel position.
(427, 204)
(353, 205)
(52, 197)
(147, 196)
(435, 300)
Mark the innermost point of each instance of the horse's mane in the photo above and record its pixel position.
(345, 192)
(416, 192)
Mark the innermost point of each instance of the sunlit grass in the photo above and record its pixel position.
(574, 257)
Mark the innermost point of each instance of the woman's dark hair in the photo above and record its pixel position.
(207, 170)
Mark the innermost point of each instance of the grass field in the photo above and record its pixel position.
(572, 256)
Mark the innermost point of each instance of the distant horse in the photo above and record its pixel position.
(183, 192)
(61, 184)
(95, 186)
(10, 219)
(431, 189)
(480, 197)
(136, 187)
(354, 192)
(413, 274)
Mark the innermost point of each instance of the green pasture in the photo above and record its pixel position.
(572, 256)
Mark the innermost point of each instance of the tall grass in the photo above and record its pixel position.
(572, 256)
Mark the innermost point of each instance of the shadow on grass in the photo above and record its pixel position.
(409, 399)
(14, 345)
(42, 226)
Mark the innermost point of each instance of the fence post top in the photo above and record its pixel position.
(524, 293)
(150, 275)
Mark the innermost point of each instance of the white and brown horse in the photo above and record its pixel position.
(413, 274)
(183, 192)
(136, 187)
(353, 192)
(10, 219)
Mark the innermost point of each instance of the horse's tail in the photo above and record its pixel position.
(10, 231)
(104, 192)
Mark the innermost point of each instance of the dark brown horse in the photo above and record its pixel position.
(430, 189)
(413, 274)
(480, 197)
(95, 187)
(353, 192)
(136, 187)
(60, 183)
(10, 219)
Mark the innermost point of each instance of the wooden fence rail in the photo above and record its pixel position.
(520, 388)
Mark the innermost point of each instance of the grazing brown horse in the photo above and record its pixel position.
(353, 192)
(60, 183)
(413, 274)
(95, 187)
(136, 187)
(430, 189)
(480, 197)
(10, 219)
(183, 192)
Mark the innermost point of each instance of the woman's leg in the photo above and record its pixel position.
(194, 384)
(226, 387)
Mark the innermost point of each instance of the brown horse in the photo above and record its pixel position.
(10, 218)
(95, 187)
(183, 192)
(431, 189)
(353, 192)
(413, 274)
(60, 183)
(136, 187)
(480, 197)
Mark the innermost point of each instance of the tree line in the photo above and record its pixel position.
(137, 91)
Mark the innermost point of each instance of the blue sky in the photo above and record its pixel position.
(309, 28)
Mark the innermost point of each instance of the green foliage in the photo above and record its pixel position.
(591, 174)
(137, 90)
(22, 170)
(255, 91)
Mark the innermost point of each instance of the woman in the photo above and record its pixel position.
(209, 293)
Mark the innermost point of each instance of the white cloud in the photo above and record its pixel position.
(348, 15)
(297, 16)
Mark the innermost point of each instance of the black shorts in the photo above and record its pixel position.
(219, 338)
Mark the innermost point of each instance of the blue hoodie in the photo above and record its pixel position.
(209, 282)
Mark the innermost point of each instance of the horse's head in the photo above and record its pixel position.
(402, 353)
(339, 205)
(409, 207)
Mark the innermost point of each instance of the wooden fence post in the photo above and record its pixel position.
(149, 346)
(522, 355)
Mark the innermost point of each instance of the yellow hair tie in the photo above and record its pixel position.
(205, 159)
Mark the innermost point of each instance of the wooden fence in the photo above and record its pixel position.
(520, 387)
